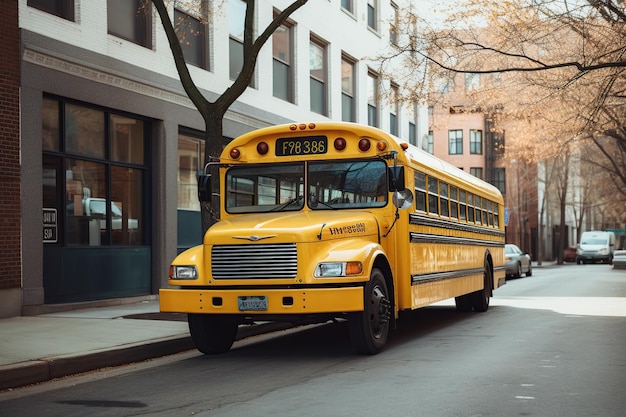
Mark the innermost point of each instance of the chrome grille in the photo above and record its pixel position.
(254, 261)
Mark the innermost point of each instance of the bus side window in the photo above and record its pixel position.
(444, 202)
(463, 206)
(496, 215)
(420, 191)
(454, 206)
(433, 195)
(470, 208)
(486, 220)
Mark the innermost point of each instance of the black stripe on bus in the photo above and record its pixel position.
(444, 276)
(447, 224)
(452, 240)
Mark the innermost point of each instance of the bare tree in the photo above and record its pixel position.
(213, 111)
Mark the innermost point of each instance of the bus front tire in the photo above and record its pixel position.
(212, 334)
(369, 328)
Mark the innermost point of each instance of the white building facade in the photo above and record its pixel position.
(110, 143)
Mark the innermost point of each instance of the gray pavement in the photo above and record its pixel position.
(40, 348)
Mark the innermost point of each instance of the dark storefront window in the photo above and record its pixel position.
(94, 194)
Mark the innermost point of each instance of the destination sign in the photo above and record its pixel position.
(309, 145)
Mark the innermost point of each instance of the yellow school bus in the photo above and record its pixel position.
(330, 220)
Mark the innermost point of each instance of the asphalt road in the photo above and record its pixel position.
(550, 345)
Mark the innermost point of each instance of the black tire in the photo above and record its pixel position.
(530, 270)
(370, 327)
(481, 298)
(463, 303)
(212, 334)
(518, 274)
(478, 300)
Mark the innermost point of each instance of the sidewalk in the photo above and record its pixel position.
(40, 348)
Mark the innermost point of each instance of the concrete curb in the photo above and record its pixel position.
(45, 369)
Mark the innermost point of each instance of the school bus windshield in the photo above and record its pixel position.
(331, 185)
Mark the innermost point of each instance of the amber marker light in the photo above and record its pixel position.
(340, 144)
(364, 144)
(312, 126)
(404, 146)
(381, 146)
(293, 127)
(302, 126)
(262, 148)
(235, 153)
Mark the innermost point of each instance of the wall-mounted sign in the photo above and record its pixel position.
(49, 225)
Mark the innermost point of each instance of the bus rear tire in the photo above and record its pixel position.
(369, 328)
(212, 334)
(478, 300)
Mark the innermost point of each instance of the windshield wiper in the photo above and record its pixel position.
(313, 202)
(288, 203)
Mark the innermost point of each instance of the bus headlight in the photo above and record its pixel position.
(338, 269)
(183, 272)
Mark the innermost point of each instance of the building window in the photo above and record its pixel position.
(130, 20)
(348, 6)
(347, 90)
(455, 142)
(472, 81)
(283, 72)
(499, 179)
(190, 163)
(192, 33)
(394, 110)
(102, 157)
(476, 141)
(477, 172)
(393, 26)
(61, 8)
(318, 73)
(429, 144)
(372, 99)
(412, 133)
(236, 22)
(372, 14)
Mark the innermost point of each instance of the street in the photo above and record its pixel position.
(550, 345)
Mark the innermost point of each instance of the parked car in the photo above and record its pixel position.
(517, 262)
(619, 259)
(569, 254)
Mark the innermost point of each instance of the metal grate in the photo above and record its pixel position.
(254, 261)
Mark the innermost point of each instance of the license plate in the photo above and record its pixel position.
(252, 302)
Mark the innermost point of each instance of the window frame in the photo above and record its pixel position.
(455, 142)
(202, 45)
(286, 63)
(142, 24)
(476, 141)
(62, 8)
(315, 79)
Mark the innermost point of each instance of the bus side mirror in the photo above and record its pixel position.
(396, 178)
(204, 187)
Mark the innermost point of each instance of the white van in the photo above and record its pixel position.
(595, 246)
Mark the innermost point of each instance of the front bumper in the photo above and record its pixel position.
(279, 301)
(593, 257)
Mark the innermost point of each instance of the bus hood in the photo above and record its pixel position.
(302, 226)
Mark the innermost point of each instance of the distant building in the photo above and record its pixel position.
(472, 138)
